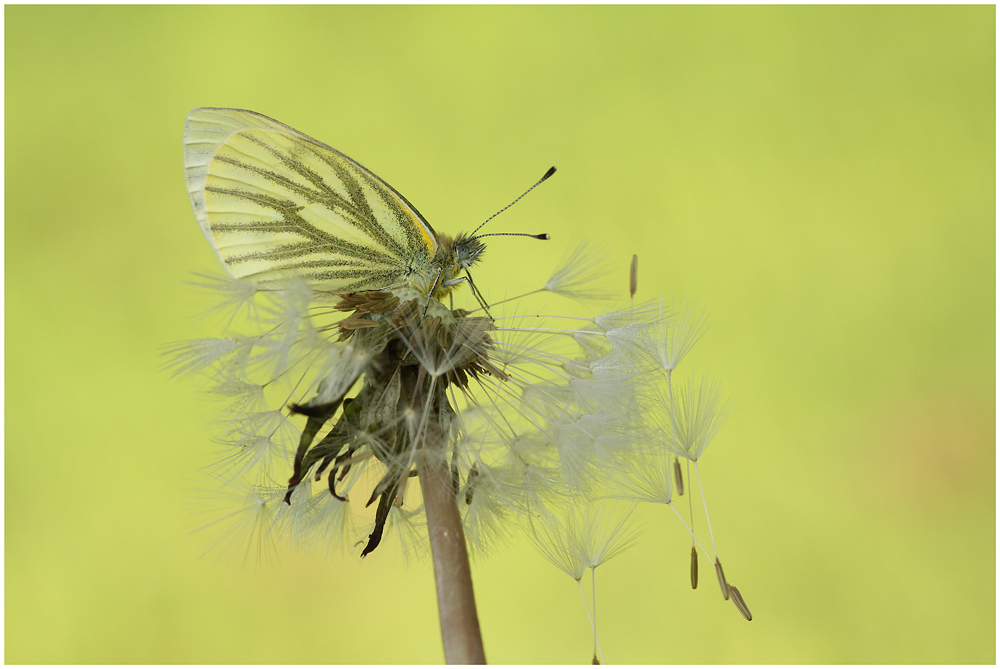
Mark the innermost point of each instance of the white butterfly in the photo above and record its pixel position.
(275, 203)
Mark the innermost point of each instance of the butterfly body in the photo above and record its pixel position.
(276, 204)
(454, 256)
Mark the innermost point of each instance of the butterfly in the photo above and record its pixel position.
(274, 204)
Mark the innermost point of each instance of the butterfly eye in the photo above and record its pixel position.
(467, 252)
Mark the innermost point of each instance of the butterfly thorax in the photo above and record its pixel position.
(454, 256)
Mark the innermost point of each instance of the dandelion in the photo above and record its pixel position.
(354, 385)
(456, 430)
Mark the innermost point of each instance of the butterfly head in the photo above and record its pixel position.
(455, 256)
(467, 251)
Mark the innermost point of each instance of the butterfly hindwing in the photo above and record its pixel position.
(275, 203)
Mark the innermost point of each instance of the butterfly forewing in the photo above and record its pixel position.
(276, 204)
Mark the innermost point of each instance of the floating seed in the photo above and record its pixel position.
(595, 660)
(694, 568)
(678, 479)
(738, 601)
(722, 579)
(633, 276)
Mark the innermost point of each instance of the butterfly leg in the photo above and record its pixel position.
(475, 291)
(437, 277)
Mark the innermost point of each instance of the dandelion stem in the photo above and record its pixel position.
(556, 330)
(511, 299)
(593, 624)
(569, 318)
(690, 502)
(673, 434)
(593, 603)
(691, 532)
(707, 519)
(463, 643)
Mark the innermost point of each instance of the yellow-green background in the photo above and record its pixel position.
(820, 179)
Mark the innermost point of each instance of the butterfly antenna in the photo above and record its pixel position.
(550, 172)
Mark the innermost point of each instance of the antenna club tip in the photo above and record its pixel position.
(544, 235)
(552, 170)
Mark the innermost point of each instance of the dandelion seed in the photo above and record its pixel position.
(558, 543)
(694, 568)
(681, 425)
(633, 277)
(604, 531)
(290, 325)
(738, 601)
(584, 536)
(722, 579)
(410, 530)
(338, 371)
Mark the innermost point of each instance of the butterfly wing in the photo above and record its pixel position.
(275, 203)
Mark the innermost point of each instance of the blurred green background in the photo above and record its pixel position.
(820, 179)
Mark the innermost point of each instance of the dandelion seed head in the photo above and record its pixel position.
(241, 517)
(581, 275)
(674, 333)
(699, 416)
(605, 529)
(237, 298)
(227, 356)
(585, 533)
(340, 394)
(647, 476)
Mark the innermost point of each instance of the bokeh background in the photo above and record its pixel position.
(821, 180)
